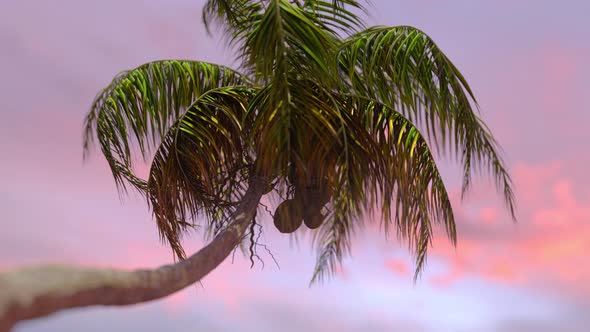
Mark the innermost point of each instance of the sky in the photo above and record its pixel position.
(527, 62)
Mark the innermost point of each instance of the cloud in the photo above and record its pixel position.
(545, 250)
(398, 266)
(541, 326)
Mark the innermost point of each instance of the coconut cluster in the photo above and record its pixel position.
(305, 207)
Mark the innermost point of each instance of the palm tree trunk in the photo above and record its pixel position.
(39, 291)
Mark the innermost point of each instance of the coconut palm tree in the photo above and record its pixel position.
(336, 120)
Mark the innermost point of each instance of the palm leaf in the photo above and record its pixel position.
(139, 106)
(404, 177)
(281, 39)
(201, 165)
(281, 47)
(405, 70)
(233, 16)
(335, 16)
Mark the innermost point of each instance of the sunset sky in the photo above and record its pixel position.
(528, 62)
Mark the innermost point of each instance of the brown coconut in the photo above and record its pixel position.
(288, 216)
(314, 220)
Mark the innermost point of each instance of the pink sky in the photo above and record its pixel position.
(528, 64)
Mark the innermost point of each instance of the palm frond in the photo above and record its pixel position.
(236, 17)
(232, 16)
(412, 183)
(404, 69)
(404, 177)
(201, 165)
(282, 47)
(140, 105)
(283, 38)
(335, 16)
(273, 37)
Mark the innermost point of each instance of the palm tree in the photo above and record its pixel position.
(335, 119)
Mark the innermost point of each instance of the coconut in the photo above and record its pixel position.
(315, 220)
(288, 216)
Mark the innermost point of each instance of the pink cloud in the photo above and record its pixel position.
(488, 214)
(499, 270)
(544, 250)
(398, 266)
(531, 179)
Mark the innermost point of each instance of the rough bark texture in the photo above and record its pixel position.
(39, 291)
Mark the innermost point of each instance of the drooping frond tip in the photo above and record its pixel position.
(198, 168)
(404, 69)
(395, 167)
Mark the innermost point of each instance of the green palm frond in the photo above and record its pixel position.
(273, 37)
(413, 183)
(282, 38)
(398, 170)
(318, 137)
(335, 16)
(404, 69)
(235, 17)
(139, 106)
(201, 165)
(232, 16)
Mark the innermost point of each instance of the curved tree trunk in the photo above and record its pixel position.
(39, 291)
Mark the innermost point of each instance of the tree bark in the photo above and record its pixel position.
(39, 291)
